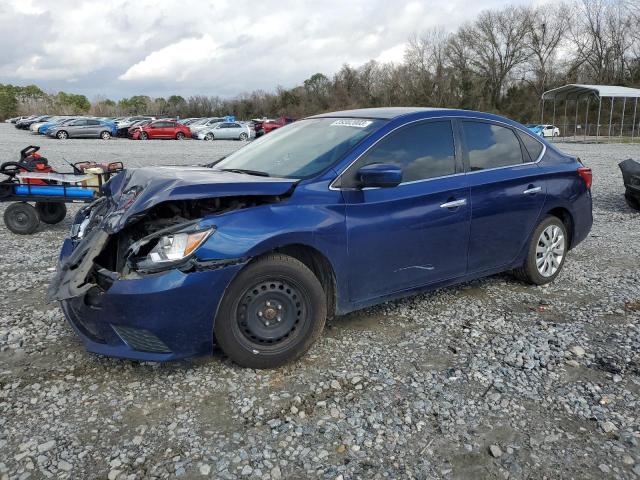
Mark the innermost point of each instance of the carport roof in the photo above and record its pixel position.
(575, 90)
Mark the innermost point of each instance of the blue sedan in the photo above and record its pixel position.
(324, 216)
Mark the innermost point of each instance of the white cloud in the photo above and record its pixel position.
(223, 47)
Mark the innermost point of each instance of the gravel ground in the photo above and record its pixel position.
(490, 379)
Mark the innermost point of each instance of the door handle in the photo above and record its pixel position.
(532, 190)
(454, 203)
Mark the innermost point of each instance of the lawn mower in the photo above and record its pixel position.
(32, 179)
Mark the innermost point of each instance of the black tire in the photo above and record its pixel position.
(144, 136)
(209, 137)
(105, 135)
(243, 136)
(271, 314)
(51, 212)
(529, 272)
(62, 135)
(21, 218)
(179, 136)
(632, 201)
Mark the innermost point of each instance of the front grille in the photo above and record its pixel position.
(141, 340)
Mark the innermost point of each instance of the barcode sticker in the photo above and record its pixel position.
(348, 122)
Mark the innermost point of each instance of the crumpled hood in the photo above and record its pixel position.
(134, 191)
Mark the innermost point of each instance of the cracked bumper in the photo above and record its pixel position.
(159, 317)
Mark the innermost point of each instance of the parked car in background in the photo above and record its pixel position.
(128, 121)
(35, 126)
(271, 125)
(83, 128)
(545, 130)
(24, 124)
(124, 131)
(42, 129)
(334, 213)
(227, 131)
(158, 129)
(204, 124)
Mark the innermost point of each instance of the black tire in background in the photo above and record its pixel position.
(271, 314)
(105, 135)
(51, 212)
(632, 201)
(529, 272)
(62, 135)
(21, 218)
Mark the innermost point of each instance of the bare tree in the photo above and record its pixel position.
(546, 29)
(498, 44)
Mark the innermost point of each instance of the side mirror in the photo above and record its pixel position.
(383, 175)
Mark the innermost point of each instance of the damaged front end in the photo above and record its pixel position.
(132, 281)
(116, 238)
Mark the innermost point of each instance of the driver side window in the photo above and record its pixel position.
(422, 151)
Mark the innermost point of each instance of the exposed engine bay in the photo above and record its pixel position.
(133, 230)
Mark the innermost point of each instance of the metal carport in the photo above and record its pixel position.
(576, 92)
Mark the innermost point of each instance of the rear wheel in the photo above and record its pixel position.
(179, 136)
(546, 252)
(243, 136)
(21, 218)
(105, 135)
(62, 135)
(271, 314)
(51, 212)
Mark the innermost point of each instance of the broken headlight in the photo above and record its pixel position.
(172, 248)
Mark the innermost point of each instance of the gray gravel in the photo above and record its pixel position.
(490, 379)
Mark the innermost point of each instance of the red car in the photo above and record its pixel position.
(160, 129)
(270, 125)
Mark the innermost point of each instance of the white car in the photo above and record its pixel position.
(203, 125)
(227, 131)
(547, 130)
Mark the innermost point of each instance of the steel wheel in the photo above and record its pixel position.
(270, 311)
(550, 251)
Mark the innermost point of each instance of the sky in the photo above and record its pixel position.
(119, 48)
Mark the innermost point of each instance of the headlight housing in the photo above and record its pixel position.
(172, 248)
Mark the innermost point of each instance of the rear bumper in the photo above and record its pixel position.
(159, 317)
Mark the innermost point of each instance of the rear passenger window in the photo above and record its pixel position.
(491, 146)
(422, 151)
(533, 146)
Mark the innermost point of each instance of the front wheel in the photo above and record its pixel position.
(62, 135)
(144, 136)
(105, 135)
(546, 252)
(271, 314)
(208, 137)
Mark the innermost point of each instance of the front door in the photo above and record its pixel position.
(414, 234)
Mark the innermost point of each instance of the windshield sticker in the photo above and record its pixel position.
(352, 123)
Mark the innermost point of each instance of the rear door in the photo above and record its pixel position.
(414, 234)
(507, 193)
(94, 127)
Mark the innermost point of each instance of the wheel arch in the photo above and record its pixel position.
(567, 219)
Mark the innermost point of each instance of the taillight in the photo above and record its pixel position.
(586, 175)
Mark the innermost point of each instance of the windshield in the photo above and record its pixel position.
(303, 148)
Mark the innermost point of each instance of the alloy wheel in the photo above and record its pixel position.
(550, 251)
